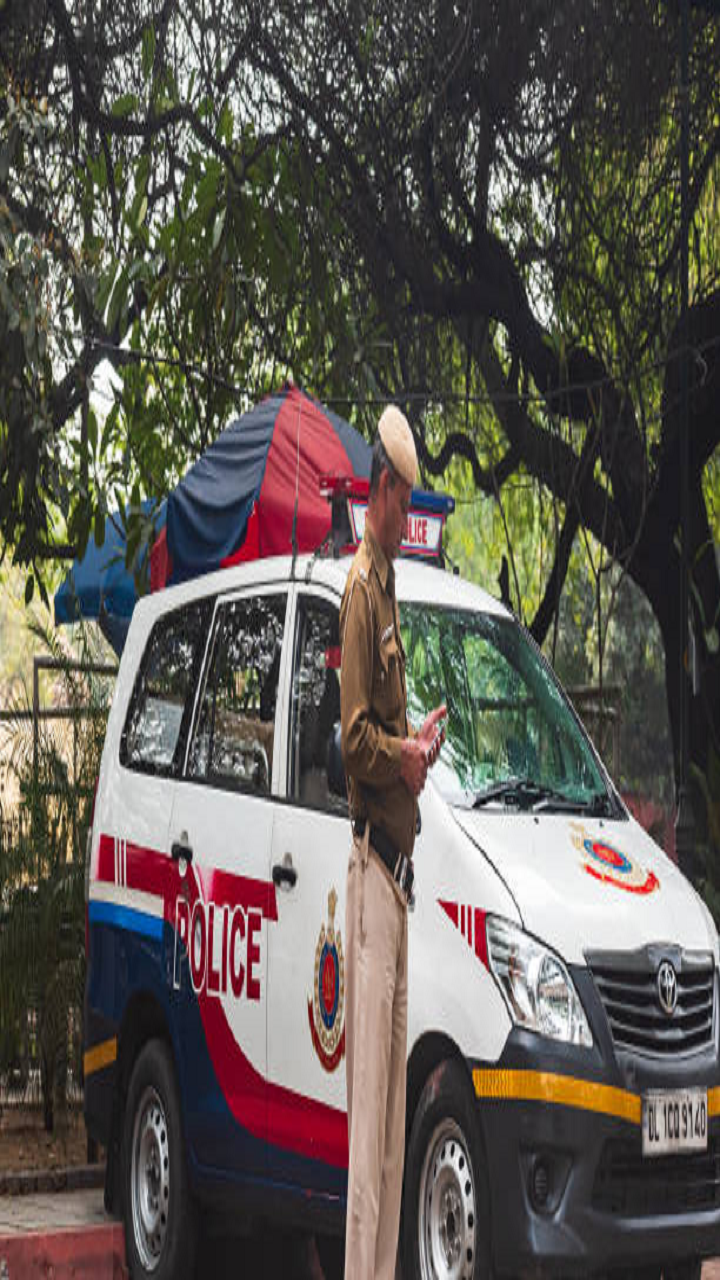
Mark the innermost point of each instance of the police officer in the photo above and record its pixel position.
(386, 766)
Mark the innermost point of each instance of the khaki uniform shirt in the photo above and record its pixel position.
(373, 696)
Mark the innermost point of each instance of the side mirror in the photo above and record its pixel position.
(335, 766)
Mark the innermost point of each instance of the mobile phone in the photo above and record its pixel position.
(439, 733)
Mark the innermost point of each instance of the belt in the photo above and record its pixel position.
(400, 867)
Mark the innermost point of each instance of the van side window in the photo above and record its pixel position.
(233, 741)
(315, 706)
(158, 719)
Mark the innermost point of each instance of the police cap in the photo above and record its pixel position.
(398, 443)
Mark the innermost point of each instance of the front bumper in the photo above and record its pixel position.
(570, 1191)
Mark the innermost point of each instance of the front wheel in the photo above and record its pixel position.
(160, 1215)
(446, 1208)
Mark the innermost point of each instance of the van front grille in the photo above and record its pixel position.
(625, 1183)
(637, 1019)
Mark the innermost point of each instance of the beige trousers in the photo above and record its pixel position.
(375, 1058)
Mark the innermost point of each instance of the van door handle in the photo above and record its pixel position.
(284, 873)
(180, 850)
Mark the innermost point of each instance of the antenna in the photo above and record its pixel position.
(293, 536)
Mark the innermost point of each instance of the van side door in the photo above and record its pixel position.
(132, 878)
(307, 1121)
(220, 835)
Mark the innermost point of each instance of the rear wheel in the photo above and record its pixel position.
(160, 1215)
(446, 1209)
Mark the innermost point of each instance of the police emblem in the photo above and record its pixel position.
(327, 1006)
(609, 865)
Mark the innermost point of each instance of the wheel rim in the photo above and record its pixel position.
(447, 1217)
(150, 1179)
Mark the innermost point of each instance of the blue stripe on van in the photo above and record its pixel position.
(125, 918)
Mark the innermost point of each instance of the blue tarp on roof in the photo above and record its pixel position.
(99, 586)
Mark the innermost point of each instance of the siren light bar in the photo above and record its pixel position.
(349, 496)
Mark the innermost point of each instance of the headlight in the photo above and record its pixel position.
(537, 987)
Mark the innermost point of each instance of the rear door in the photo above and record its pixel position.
(307, 1120)
(221, 834)
(129, 872)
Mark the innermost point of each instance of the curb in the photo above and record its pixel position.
(82, 1177)
(72, 1253)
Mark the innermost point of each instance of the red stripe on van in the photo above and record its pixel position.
(151, 872)
(290, 1120)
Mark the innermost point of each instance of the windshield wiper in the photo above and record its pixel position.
(520, 791)
(601, 805)
(527, 794)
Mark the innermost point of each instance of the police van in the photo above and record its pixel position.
(563, 1088)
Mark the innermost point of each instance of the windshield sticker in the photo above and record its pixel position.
(327, 1006)
(609, 865)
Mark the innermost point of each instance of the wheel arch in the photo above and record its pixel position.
(428, 1052)
(437, 1068)
(143, 1019)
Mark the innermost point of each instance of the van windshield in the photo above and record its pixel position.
(512, 737)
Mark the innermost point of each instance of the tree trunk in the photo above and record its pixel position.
(658, 575)
(48, 1091)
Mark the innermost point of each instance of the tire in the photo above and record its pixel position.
(161, 1223)
(446, 1208)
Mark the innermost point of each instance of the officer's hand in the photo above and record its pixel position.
(413, 765)
(432, 734)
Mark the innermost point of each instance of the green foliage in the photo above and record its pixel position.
(42, 886)
(633, 658)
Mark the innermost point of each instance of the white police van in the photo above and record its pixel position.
(563, 1095)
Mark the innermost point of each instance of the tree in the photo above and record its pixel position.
(472, 207)
(506, 178)
(148, 222)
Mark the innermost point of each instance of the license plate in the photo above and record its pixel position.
(674, 1121)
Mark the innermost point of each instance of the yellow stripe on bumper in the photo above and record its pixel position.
(543, 1086)
(101, 1055)
(713, 1103)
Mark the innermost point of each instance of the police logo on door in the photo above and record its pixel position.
(327, 1007)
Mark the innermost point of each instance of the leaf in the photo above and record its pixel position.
(148, 51)
(104, 288)
(218, 228)
(92, 427)
(98, 171)
(118, 301)
(142, 172)
(124, 105)
(226, 124)
(29, 589)
(99, 529)
(139, 216)
(108, 429)
(712, 640)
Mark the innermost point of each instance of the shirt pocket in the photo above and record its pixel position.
(388, 685)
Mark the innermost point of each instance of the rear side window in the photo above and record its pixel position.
(158, 719)
(234, 738)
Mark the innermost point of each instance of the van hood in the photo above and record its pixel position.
(590, 884)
